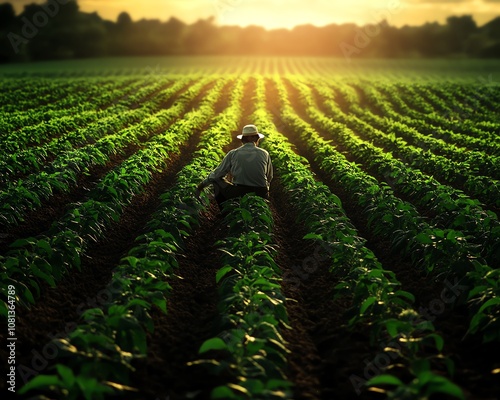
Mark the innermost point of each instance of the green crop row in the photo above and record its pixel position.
(451, 131)
(443, 142)
(15, 120)
(63, 94)
(113, 97)
(55, 128)
(477, 100)
(456, 114)
(447, 114)
(378, 303)
(153, 90)
(252, 309)
(33, 159)
(252, 352)
(250, 303)
(400, 123)
(453, 209)
(428, 116)
(113, 119)
(482, 129)
(69, 98)
(34, 135)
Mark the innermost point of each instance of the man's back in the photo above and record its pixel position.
(250, 166)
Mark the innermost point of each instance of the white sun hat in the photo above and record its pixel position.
(250, 130)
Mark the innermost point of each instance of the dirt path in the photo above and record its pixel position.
(40, 220)
(191, 319)
(324, 354)
(313, 316)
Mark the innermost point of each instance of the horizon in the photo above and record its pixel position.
(245, 13)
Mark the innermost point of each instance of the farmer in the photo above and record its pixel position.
(246, 169)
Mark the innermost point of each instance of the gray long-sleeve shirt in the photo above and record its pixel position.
(248, 165)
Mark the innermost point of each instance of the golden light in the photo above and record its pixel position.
(272, 14)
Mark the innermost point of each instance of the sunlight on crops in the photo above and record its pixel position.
(401, 70)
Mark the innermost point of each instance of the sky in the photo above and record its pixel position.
(288, 13)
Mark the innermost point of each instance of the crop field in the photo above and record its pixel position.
(371, 273)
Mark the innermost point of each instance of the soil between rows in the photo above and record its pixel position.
(412, 280)
(324, 355)
(40, 220)
(191, 318)
(192, 315)
(188, 323)
(458, 183)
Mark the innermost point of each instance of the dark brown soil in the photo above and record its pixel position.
(321, 359)
(39, 220)
(191, 319)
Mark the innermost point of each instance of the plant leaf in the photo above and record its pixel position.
(384, 380)
(212, 344)
(367, 303)
(223, 272)
(41, 382)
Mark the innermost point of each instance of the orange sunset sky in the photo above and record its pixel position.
(288, 13)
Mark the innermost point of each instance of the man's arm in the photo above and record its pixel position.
(218, 173)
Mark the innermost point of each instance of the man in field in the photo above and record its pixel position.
(247, 169)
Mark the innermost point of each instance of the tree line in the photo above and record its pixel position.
(57, 29)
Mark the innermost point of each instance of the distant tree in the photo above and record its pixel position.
(8, 23)
(124, 20)
(391, 42)
(69, 11)
(252, 40)
(123, 38)
(201, 37)
(7, 15)
(278, 43)
(431, 40)
(172, 36)
(229, 42)
(307, 40)
(492, 29)
(91, 37)
(459, 30)
(462, 27)
(489, 44)
(492, 51)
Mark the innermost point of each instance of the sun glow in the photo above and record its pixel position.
(273, 14)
